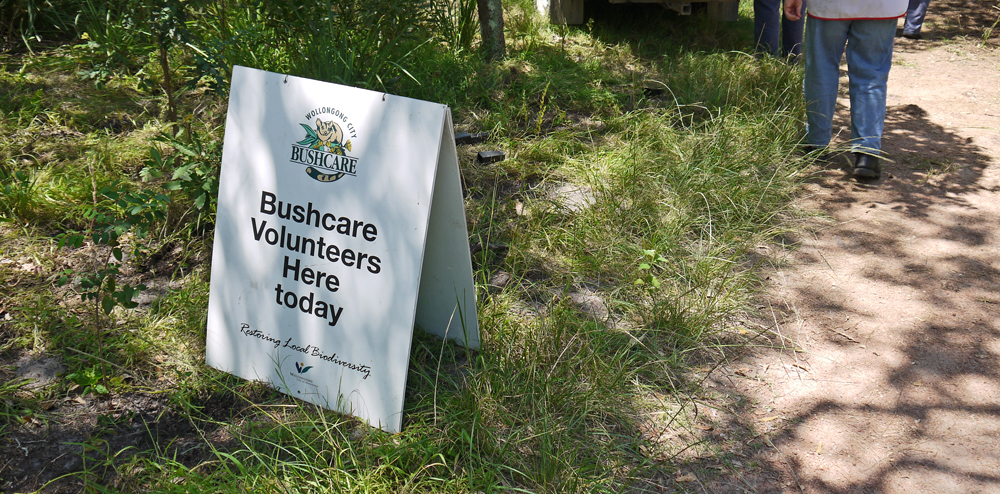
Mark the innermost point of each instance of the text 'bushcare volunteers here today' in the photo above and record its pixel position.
(292, 268)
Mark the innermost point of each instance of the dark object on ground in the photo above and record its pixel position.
(866, 166)
(652, 92)
(487, 157)
(913, 36)
(467, 138)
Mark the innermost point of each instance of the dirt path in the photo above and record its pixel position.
(892, 301)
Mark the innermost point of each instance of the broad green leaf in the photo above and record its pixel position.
(308, 141)
(309, 131)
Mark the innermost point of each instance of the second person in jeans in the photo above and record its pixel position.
(774, 33)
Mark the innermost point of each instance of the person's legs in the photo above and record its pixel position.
(766, 25)
(824, 45)
(869, 58)
(915, 17)
(791, 37)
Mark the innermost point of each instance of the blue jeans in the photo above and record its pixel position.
(768, 22)
(869, 57)
(915, 16)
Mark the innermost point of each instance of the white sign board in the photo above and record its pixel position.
(337, 206)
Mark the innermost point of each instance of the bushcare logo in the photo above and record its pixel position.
(324, 149)
(300, 370)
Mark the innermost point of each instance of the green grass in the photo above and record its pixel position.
(680, 147)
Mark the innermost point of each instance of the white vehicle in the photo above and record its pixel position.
(571, 11)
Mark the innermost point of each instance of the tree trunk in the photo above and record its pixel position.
(168, 86)
(491, 21)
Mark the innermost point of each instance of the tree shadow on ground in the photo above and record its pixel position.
(926, 164)
(941, 374)
(944, 416)
(948, 20)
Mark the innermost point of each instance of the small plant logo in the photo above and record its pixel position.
(302, 368)
(324, 149)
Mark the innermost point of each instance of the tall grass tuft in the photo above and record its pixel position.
(358, 43)
(352, 42)
(25, 23)
(455, 22)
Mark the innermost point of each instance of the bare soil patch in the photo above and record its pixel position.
(884, 376)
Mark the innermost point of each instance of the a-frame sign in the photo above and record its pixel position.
(340, 226)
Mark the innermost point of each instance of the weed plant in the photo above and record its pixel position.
(611, 248)
(27, 23)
